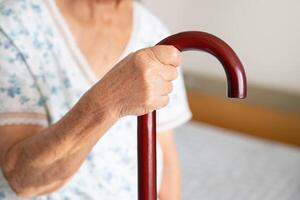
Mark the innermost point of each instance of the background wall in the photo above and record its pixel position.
(264, 33)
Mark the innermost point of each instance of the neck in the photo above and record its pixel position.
(91, 10)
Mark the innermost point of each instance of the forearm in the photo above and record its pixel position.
(45, 160)
(171, 183)
(171, 180)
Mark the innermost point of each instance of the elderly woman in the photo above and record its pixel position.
(74, 74)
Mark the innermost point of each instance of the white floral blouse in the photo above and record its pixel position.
(43, 74)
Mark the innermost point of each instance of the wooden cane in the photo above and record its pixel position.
(236, 88)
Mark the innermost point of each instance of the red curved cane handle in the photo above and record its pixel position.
(237, 88)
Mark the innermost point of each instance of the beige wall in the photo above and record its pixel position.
(264, 33)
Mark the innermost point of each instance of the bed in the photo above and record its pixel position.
(218, 164)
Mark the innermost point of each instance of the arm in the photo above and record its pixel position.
(37, 161)
(171, 180)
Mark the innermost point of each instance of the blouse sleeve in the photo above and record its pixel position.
(20, 102)
(177, 112)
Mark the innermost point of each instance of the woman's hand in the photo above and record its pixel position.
(140, 83)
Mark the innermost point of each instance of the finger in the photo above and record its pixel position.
(167, 54)
(164, 88)
(167, 88)
(162, 101)
(161, 87)
(168, 72)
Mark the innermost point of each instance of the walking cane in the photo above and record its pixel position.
(236, 88)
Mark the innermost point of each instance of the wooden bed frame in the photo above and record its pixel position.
(267, 113)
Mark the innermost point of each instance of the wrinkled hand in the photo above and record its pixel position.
(141, 82)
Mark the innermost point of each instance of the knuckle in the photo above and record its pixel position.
(141, 53)
(158, 48)
(140, 58)
(144, 62)
(175, 55)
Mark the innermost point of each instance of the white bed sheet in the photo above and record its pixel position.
(219, 165)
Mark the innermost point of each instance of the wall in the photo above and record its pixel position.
(264, 33)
